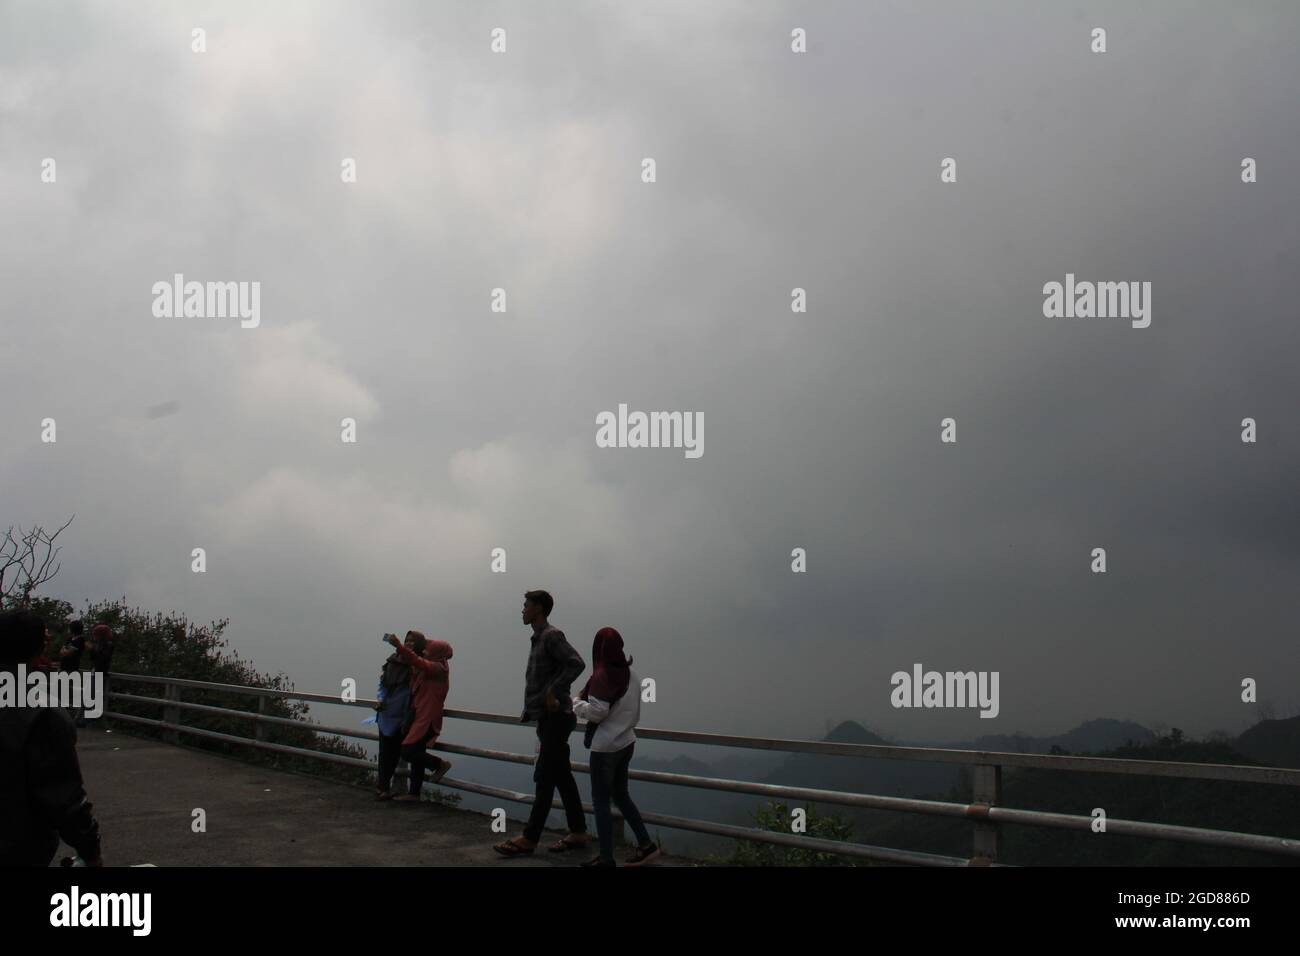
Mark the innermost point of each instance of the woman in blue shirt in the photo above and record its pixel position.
(393, 713)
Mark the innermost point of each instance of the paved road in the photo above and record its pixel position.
(145, 792)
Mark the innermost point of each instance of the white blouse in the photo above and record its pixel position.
(615, 725)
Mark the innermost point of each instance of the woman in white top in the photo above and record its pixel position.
(611, 704)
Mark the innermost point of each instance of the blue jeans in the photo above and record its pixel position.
(609, 782)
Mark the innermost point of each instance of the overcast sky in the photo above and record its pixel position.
(476, 429)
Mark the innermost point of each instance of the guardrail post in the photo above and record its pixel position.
(259, 728)
(171, 715)
(987, 786)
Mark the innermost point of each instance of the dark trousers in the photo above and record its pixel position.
(418, 758)
(82, 715)
(74, 711)
(390, 750)
(609, 782)
(554, 773)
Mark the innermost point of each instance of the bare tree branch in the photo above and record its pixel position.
(35, 554)
(10, 552)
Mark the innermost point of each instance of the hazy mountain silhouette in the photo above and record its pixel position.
(1272, 742)
(1091, 736)
(911, 778)
(1254, 808)
(863, 774)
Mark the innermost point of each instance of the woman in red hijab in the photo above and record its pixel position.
(430, 681)
(611, 705)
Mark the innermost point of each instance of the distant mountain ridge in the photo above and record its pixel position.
(1272, 742)
(914, 777)
(1091, 736)
(895, 777)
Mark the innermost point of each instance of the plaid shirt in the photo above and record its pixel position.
(553, 665)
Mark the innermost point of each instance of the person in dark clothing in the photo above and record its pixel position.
(553, 665)
(70, 655)
(42, 797)
(101, 651)
(101, 648)
(70, 660)
(394, 713)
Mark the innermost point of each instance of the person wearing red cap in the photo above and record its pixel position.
(430, 681)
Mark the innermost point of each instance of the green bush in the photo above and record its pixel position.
(775, 817)
(169, 645)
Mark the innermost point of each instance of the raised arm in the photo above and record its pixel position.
(429, 667)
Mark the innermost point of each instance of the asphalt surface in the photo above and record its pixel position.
(145, 793)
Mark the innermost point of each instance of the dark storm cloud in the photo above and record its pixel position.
(476, 429)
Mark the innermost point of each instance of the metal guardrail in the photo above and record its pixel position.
(983, 811)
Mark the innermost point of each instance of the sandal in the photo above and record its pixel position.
(513, 848)
(564, 845)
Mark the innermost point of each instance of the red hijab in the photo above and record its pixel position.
(610, 674)
(436, 650)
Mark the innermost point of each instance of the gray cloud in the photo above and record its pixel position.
(476, 430)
